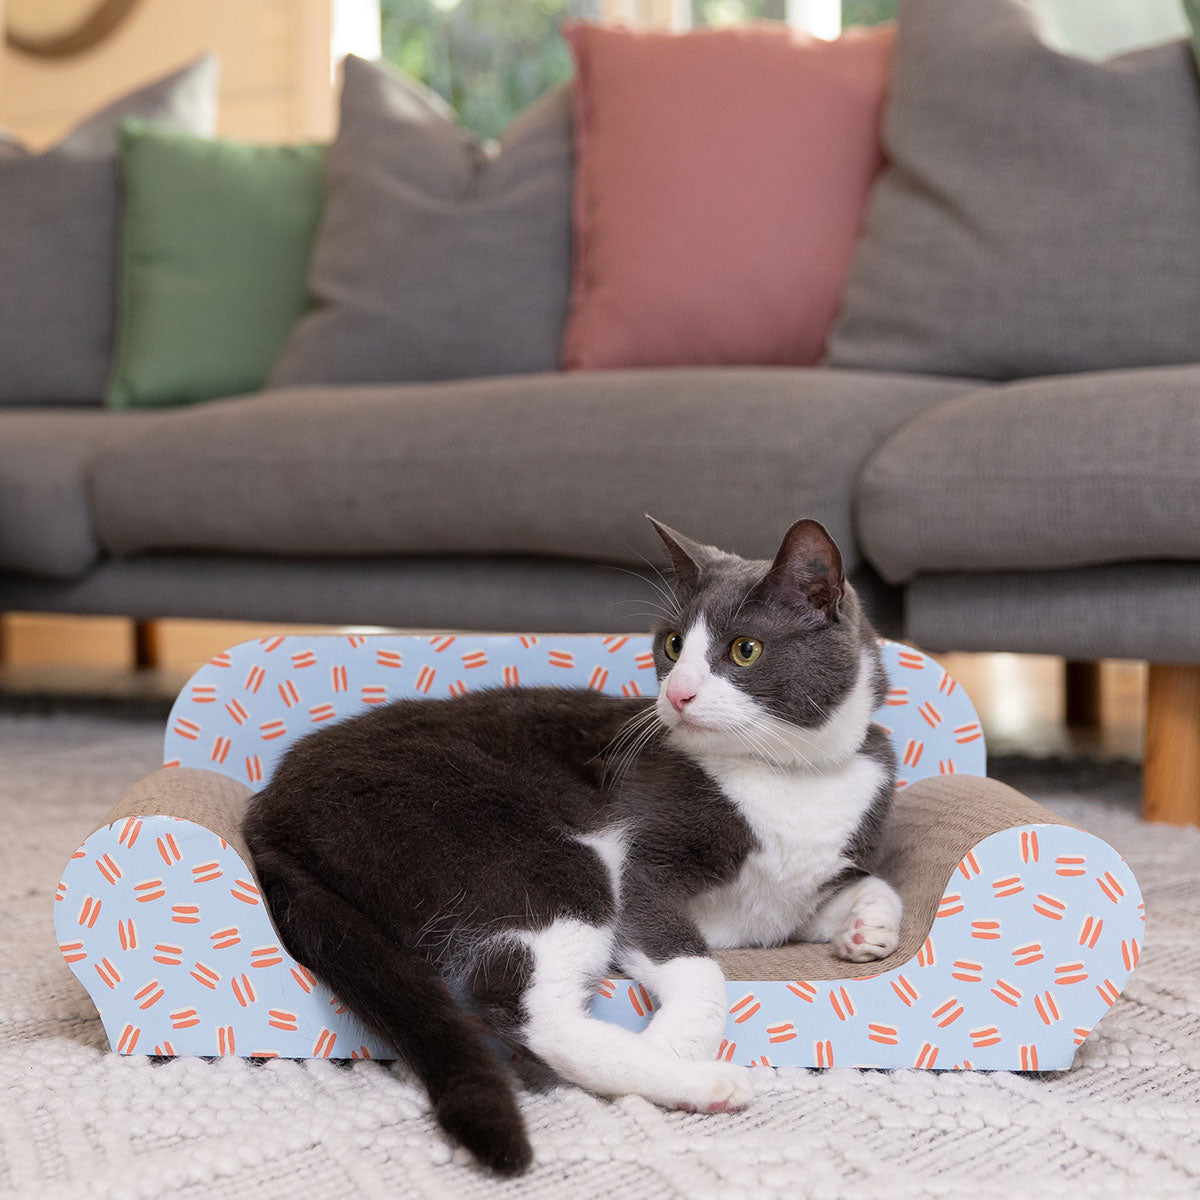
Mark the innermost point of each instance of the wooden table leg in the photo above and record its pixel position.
(1171, 772)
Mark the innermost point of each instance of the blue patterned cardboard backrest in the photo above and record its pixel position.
(244, 707)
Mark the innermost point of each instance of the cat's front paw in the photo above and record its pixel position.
(866, 940)
(872, 927)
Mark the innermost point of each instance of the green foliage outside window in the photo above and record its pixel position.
(491, 58)
(867, 12)
(734, 12)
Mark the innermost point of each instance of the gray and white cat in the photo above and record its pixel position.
(522, 844)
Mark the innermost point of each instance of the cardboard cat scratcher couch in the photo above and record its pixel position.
(1019, 930)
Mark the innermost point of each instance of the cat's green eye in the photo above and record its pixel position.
(673, 646)
(745, 651)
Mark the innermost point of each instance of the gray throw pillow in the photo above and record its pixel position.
(1040, 214)
(58, 242)
(438, 257)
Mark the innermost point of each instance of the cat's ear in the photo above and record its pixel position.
(808, 569)
(686, 555)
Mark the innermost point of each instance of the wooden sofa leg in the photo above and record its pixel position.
(1084, 707)
(1171, 772)
(145, 644)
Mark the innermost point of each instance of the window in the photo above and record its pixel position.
(488, 58)
(733, 12)
(867, 12)
(823, 17)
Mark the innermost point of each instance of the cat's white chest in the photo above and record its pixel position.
(803, 823)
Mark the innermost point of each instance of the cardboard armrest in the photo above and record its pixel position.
(933, 824)
(205, 798)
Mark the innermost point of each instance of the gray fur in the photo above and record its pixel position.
(810, 655)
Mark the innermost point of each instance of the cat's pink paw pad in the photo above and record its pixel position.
(868, 940)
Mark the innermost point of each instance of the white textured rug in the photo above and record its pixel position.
(79, 1121)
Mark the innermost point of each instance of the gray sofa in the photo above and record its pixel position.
(1057, 515)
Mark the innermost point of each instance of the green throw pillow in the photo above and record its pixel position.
(214, 258)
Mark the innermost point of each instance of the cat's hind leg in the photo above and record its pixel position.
(549, 1014)
(862, 920)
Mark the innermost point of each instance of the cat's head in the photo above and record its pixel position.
(769, 660)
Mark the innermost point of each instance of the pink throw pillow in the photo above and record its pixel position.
(721, 178)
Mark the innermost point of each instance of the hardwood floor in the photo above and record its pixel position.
(1021, 698)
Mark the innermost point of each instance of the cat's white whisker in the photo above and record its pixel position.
(627, 736)
(774, 736)
(756, 751)
(644, 738)
(666, 582)
(614, 754)
(665, 592)
(630, 757)
(761, 748)
(651, 615)
(746, 736)
(656, 605)
(626, 730)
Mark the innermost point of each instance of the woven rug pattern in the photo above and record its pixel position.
(79, 1121)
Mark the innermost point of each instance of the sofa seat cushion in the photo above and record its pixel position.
(1043, 474)
(550, 464)
(45, 523)
(1123, 610)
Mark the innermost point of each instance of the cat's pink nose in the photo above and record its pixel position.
(679, 697)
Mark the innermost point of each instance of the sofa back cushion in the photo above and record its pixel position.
(437, 256)
(721, 178)
(58, 242)
(1040, 213)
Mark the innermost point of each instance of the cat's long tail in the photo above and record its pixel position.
(401, 999)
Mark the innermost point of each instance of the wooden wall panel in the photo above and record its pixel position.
(277, 60)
